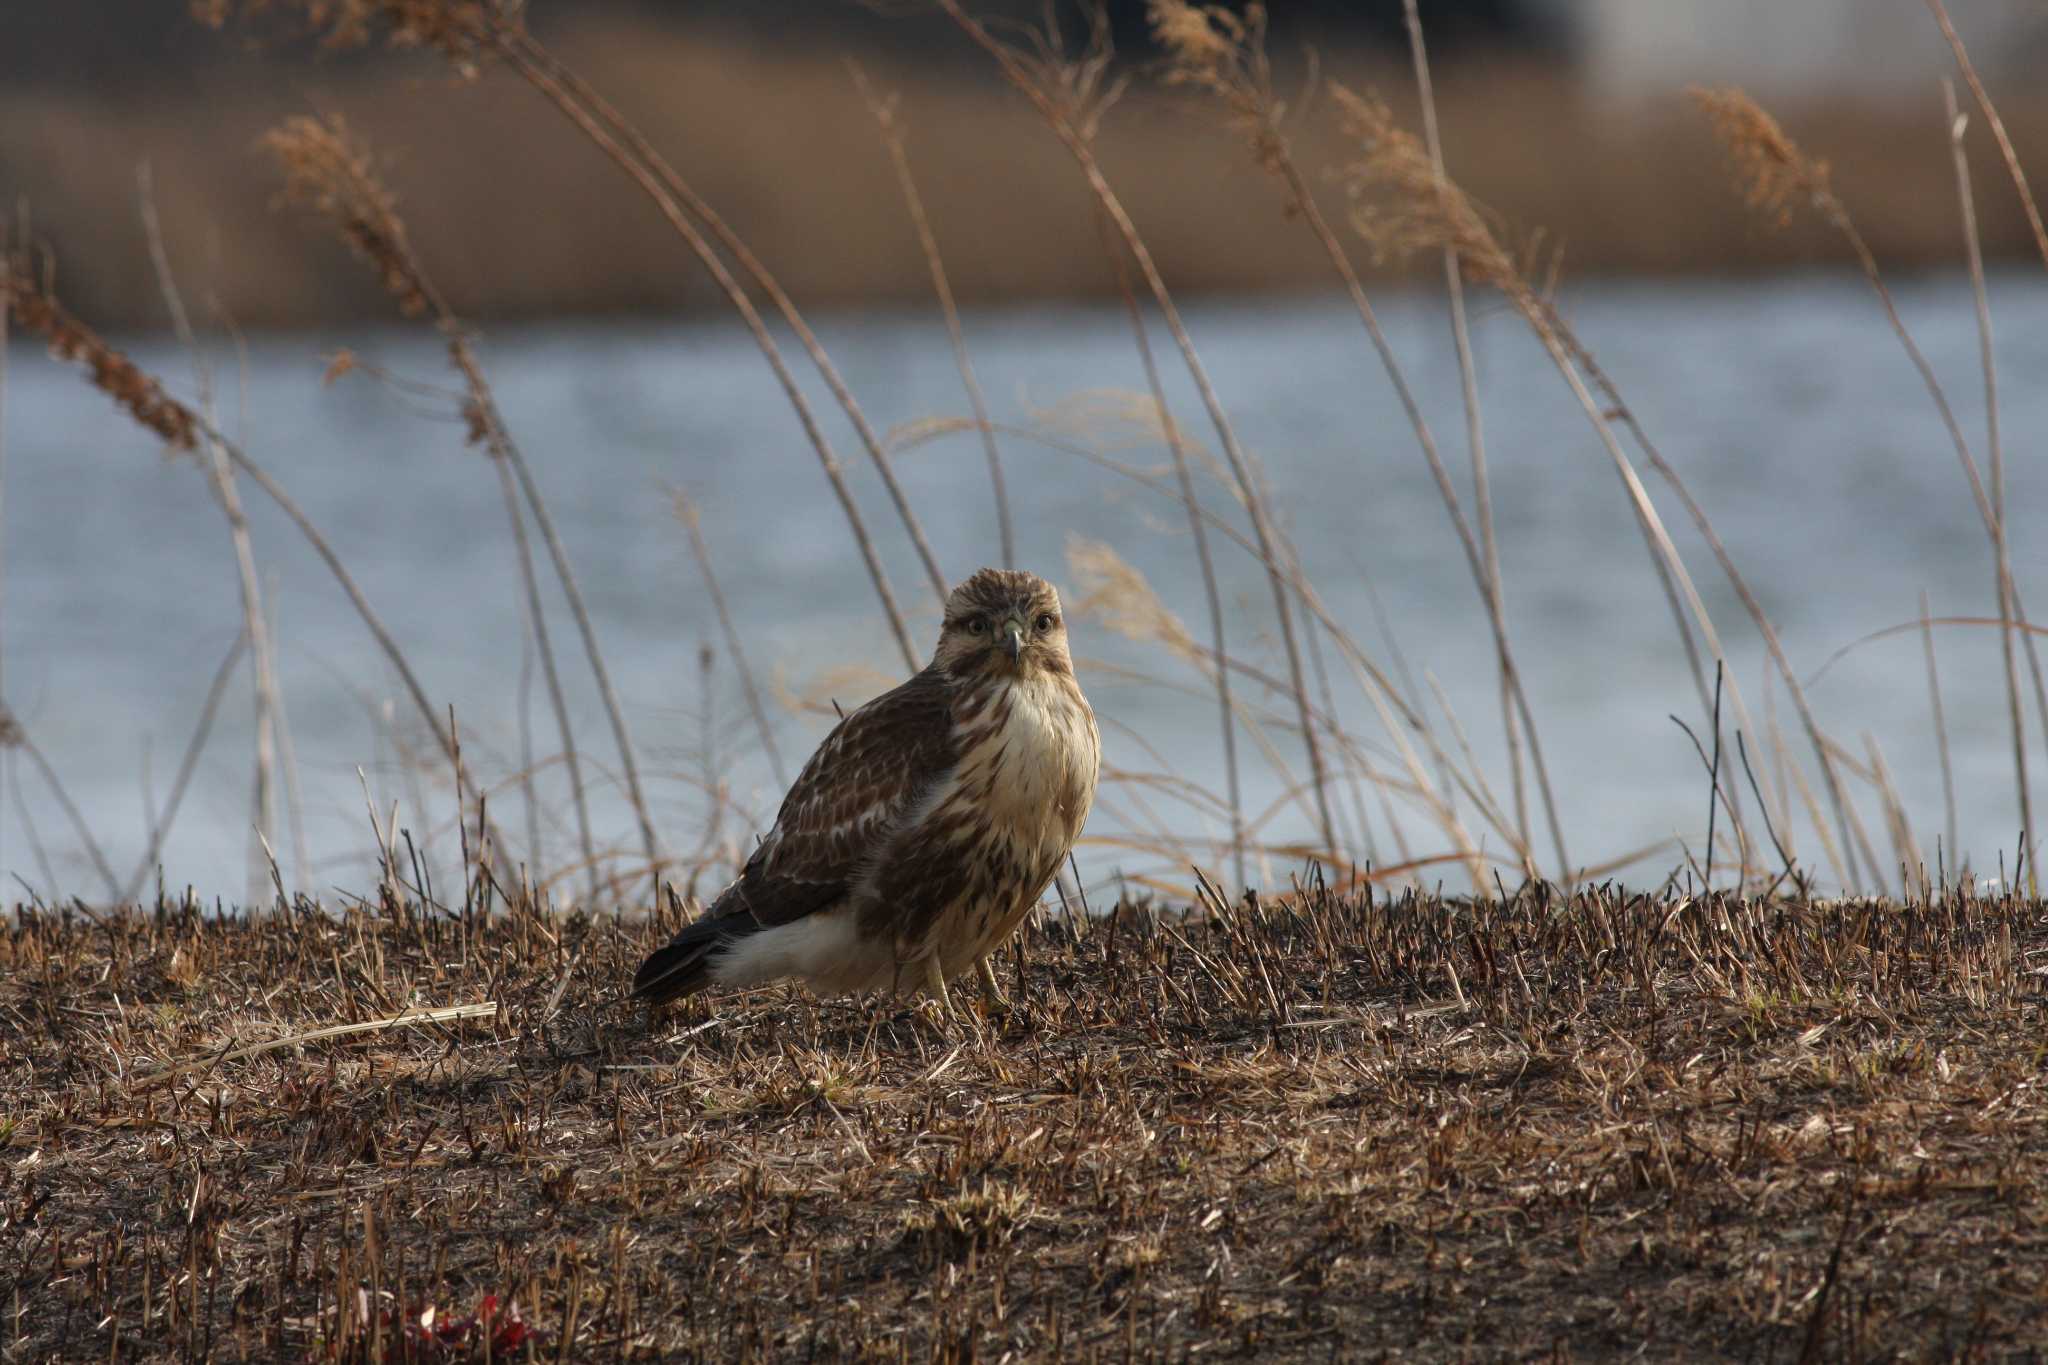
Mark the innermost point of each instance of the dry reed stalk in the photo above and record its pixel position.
(1428, 211)
(1373, 682)
(593, 126)
(10, 731)
(1190, 503)
(328, 556)
(160, 826)
(1904, 846)
(1468, 388)
(1385, 697)
(1312, 636)
(1625, 415)
(535, 615)
(686, 513)
(332, 172)
(893, 137)
(1778, 177)
(1997, 125)
(255, 623)
(1215, 50)
(548, 74)
(1948, 776)
(1489, 804)
(1073, 123)
(1994, 447)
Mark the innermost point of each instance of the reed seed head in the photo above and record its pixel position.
(329, 170)
(1776, 177)
(36, 309)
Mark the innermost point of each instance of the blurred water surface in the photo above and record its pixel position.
(1785, 402)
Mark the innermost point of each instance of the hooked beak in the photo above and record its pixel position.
(1013, 638)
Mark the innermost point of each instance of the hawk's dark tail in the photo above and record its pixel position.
(683, 965)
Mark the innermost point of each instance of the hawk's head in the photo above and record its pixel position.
(1003, 623)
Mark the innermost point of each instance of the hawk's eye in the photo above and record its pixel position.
(978, 626)
(1046, 622)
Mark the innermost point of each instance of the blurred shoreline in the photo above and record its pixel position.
(521, 218)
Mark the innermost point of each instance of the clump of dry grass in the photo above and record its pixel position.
(1291, 1127)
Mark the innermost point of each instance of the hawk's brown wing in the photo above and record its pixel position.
(850, 797)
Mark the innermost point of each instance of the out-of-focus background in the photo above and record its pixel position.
(1756, 354)
(1565, 114)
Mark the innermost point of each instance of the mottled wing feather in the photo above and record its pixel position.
(848, 801)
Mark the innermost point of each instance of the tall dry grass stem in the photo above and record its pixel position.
(1475, 421)
(1994, 446)
(1074, 126)
(1997, 125)
(560, 88)
(686, 513)
(1212, 596)
(1778, 178)
(1948, 774)
(1385, 697)
(894, 137)
(1752, 605)
(332, 172)
(160, 825)
(1215, 50)
(549, 73)
(1420, 210)
(255, 622)
(542, 646)
(13, 736)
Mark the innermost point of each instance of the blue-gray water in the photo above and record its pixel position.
(1785, 402)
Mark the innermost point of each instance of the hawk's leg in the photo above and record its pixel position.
(992, 999)
(935, 983)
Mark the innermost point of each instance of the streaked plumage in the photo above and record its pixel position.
(925, 827)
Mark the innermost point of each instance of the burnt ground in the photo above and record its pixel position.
(1574, 1128)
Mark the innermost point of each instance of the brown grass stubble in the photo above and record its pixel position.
(1706, 1127)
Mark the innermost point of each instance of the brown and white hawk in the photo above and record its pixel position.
(925, 827)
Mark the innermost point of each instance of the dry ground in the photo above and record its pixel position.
(1324, 1128)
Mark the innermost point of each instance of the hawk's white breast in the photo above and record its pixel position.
(1042, 759)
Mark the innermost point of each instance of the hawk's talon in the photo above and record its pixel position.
(994, 1004)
